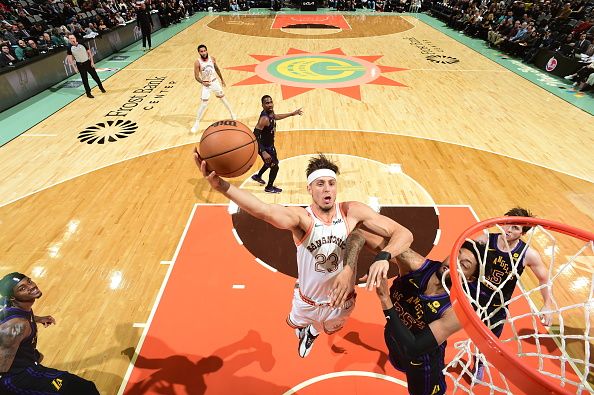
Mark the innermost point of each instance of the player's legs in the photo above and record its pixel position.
(424, 375)
(258, 176)
(40, 379)
(304, 318)
(273, 171)
(302, 314)
(333, 319)
(204, 96)
(215, 86)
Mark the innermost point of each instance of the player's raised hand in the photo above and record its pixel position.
(298, 111)
(213, 179)
(342, 287)
(377, 271)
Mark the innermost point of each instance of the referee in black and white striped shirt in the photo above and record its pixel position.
(83, 57)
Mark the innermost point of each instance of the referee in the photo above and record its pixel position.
(84, 63)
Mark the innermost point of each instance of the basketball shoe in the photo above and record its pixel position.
(306, 342)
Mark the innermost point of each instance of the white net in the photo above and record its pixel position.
(552, 265)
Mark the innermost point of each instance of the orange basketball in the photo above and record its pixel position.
(229, 148)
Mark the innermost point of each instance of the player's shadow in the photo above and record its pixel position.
(546, 342)
(364, 335)
(191, 371)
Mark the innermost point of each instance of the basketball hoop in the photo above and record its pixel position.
(521, 359)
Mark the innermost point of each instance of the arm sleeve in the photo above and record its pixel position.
(412, 345)
(258, 135)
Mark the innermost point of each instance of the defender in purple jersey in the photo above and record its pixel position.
(21, 371)
(264, 132)
(418, 312)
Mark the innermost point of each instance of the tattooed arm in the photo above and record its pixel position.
(12, 333)
(409, 261)
(344, 282)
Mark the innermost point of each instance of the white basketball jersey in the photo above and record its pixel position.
(207, 69)
(320, 255)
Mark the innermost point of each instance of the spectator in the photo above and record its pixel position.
(7, 58)
(32, 50)
(581, 45)
(20, 50)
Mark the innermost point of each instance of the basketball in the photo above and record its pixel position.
(229, 148)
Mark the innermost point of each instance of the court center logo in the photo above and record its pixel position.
(107, 132)
(299, 71)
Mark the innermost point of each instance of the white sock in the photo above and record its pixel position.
(226, 103)
(201, 110)
(313, 331)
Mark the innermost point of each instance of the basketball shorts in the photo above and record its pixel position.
(322, 318)
(40, 380)
(424, 374)
(497, 322)
(215, 87)
(272, 152)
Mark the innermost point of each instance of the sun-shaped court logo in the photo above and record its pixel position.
(299, 71)
(108, 131)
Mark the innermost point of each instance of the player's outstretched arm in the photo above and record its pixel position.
(399, 238)
(278, 117)
(275, 214)
(535, 263)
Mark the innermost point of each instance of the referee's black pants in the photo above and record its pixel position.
(146, 35)
(84, 69)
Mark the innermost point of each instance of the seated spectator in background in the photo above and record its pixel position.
(234, 5)
(101, 26)
(566, 47)
(581, 45)
(526, 44)
(544, 41)
(582, 76)
(564, 12)
(14, 35)
(7, 58)
(20, 50)
(583, 26)
(32, 50)
(26, 33)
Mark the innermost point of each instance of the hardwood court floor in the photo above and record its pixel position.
(92, 222)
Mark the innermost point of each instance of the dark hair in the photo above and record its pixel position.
(520, 212)
(264, 98)
(320, 162)
(7, 284)
(477, 249)
(202, 46)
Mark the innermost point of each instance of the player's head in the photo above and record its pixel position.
(203, 51)
(469, 256)
(514, 232)
(267, 104)
(72, 39)
(321, 181)
(210, 364)
(17, 287)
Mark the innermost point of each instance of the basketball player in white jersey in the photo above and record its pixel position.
(320, 232)
(207, 74)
